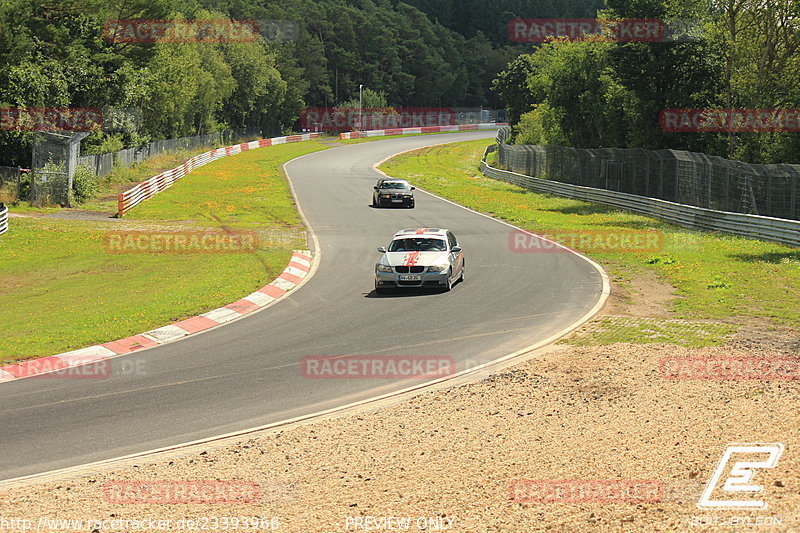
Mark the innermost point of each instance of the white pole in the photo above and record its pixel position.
(360, 92)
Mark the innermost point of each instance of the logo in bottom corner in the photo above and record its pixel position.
(740, 476)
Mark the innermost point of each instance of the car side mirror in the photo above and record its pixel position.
(455, 249)
(375, 187)
(413, 188)
(382, 249)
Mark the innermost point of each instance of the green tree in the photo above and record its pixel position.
(171, 87)
(512, 89)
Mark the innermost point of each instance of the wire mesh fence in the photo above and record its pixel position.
(55, 158)
(54, 161)
(10, 183)
(9, 175)
(679, 176)
(102, 164)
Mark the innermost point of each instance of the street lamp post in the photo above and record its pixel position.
(360, 93)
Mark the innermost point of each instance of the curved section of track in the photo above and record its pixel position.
(247, 374)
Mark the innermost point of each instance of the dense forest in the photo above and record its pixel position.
(415, 53)
(490, 18)
(741, 54)
(439, 53)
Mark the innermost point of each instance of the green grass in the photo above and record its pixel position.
(122, 178)
(715, 276)
(230, 193)
(492, 159)
(60, 290)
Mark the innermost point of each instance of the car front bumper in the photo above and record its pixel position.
(388, 202)
(389, 280)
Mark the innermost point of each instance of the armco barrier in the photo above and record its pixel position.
(3, 219)
(411, 131)
(754, 226)
(147, 189)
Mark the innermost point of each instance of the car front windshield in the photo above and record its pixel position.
(418, 245)
(394, 185)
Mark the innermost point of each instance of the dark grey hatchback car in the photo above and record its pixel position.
(391, 192)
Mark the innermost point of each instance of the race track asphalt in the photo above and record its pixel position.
(247, 373)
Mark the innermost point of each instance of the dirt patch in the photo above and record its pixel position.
(25, 215)
(80, 214)
(644, 294)
(761, 334)
(579, 414)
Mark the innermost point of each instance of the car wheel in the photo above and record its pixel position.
(463, 268)
(374, 204)
(449, 285)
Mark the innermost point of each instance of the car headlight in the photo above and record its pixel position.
(383, 268)
(438, 268)
(386, 196)
(407, 195)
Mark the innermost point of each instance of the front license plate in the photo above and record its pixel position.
(409, 277)
(396, 200)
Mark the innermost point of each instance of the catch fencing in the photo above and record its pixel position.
(10, 181)
(147, 189)
(411, 131)
(102, 164)
(9, 175)
(754, 226)
(3, 218)
(678, 176)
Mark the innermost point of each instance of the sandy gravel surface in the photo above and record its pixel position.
(81, 214)
(578, 414)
